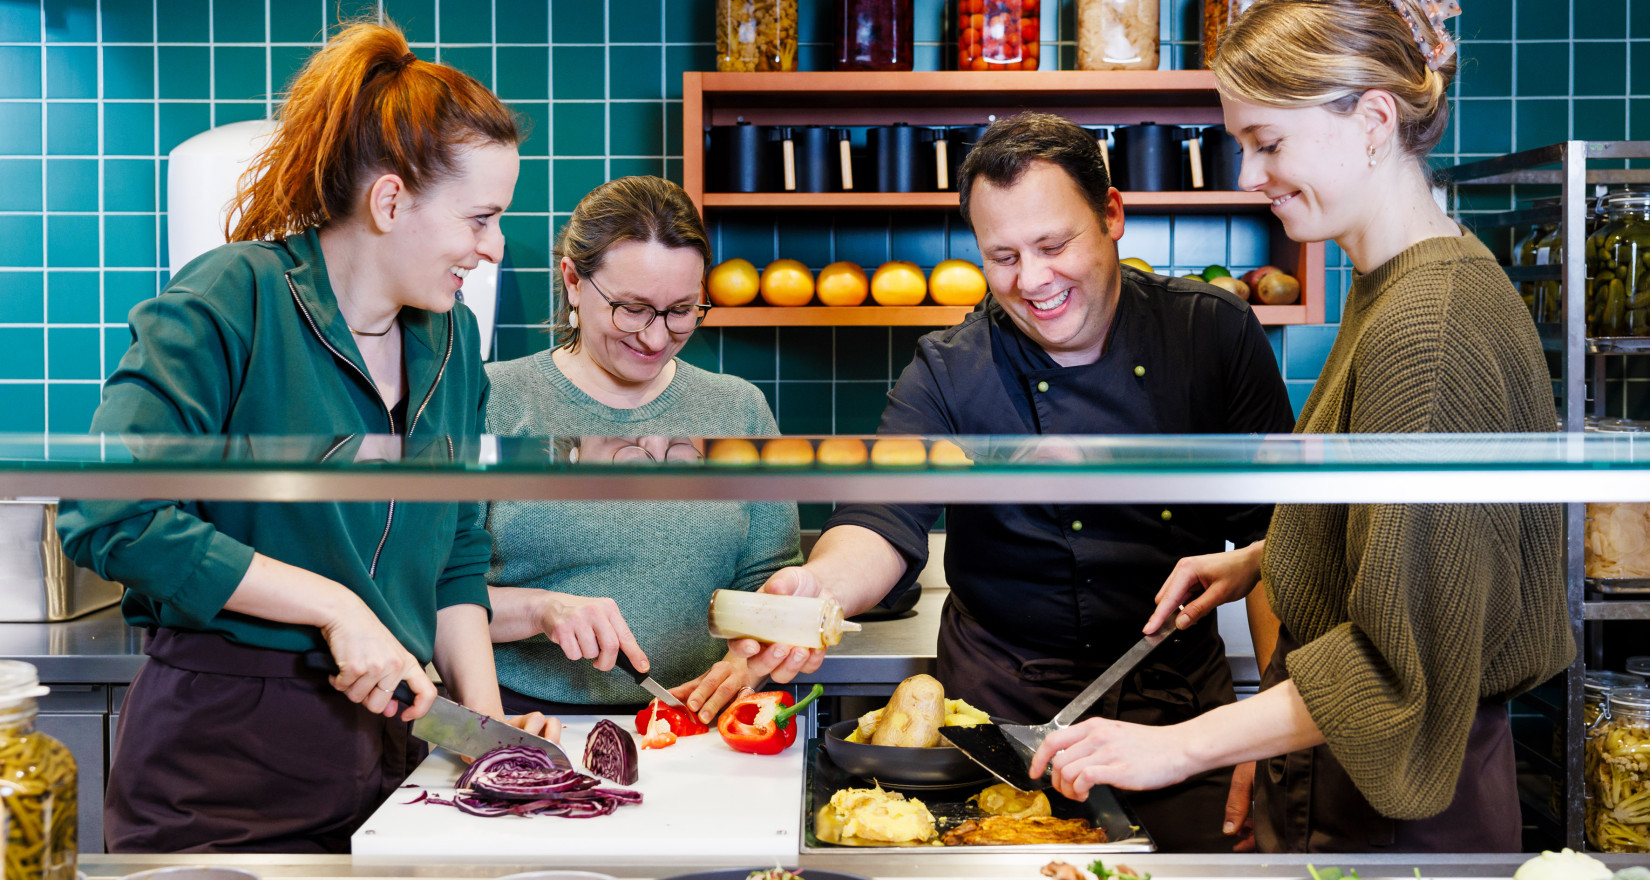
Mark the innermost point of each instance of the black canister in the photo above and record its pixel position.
(960, 141)
(1102, 139)
(817, 157)
(894, 152)
(1147, 157)
(739, 157)
(1222, 158)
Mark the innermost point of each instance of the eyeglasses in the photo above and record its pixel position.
(634, 317)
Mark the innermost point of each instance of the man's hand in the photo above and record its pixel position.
(782, 662)
(1240, 819)
(1213, 579)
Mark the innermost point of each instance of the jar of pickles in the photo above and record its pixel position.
(997, 34)
(872, 35)
(1618, 266)
(1618, 773)
(755, 35)
(1542, 297)
(37, 784)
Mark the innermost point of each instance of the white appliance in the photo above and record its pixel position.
(202, 175)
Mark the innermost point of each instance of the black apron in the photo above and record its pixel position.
(226, 748)
(1180, 680)
(1306, 802)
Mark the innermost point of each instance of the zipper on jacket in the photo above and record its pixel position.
(389, 519)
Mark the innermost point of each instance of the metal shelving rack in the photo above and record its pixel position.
(1569, 339)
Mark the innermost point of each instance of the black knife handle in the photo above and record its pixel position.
(322, 662)
(622, 661)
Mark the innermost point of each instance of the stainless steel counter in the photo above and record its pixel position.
(96, 649)
(924, 863)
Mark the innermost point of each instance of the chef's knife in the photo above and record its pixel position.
(647, 682)
(986, 747)
(457, 728)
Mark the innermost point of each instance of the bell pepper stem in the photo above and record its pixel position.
(782, 718)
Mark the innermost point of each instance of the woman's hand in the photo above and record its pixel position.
(710, 693)
(1102, 751)
(537, 724)
(783, 662)
(1213, 579)
(371, 662)
(588, 628)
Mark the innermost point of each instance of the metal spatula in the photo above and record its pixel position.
(1024, 739)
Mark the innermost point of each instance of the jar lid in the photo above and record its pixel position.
(1630, 698)
(1639, 665)
(1616, 426)
(18, 682)
(1603, 681)
(1627, 200)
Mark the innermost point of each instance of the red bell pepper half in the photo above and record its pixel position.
(680, 721)
(760, 724)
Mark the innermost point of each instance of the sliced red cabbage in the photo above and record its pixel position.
(516, 780)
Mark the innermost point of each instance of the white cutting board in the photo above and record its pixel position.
(699, 798)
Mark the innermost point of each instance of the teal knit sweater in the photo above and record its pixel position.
(659, 560)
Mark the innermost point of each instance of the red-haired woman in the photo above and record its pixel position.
(331, 314)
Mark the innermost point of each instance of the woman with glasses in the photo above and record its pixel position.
(572, 583)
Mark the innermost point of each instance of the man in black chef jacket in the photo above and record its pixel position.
(1045, 596)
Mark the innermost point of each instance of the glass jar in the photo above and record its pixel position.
(1618, 773)
(1618, 263)
(997, 34)
(37, 784)
(1638, 666)
(872, 35)
(1117, 34)
(1541, 297)
(755, 35)
(1217, 14)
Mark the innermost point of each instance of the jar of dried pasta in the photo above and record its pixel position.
(1618, 773)
(755, 35)
(1117, 34)
(37, 784)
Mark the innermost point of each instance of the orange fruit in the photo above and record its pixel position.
(787, 283)
(842, 284)
(788, 452)
(898, 283)
(898, 452)
(957, 283)
(841, 452)
(733, 282)
(733, 451)
(944, 453)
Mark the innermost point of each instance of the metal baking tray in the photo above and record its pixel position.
(1104, 809)
(1619, 585)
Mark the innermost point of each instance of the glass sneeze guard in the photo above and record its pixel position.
(998, 469)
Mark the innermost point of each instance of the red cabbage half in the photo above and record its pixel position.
(610, 753)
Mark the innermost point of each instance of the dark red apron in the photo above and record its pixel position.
(228, 748)
(1180, 680)
(1306, 802)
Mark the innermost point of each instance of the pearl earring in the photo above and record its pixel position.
(1372, 156)
(573, 319)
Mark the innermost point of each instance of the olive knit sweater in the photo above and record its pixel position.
(1411, 615)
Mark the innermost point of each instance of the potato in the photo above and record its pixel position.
(913, 716)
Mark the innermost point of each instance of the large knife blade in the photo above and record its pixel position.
(647, 682)
(455, 727)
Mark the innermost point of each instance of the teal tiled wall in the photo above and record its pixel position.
(93, 93)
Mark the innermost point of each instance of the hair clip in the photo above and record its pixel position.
(1426, 21)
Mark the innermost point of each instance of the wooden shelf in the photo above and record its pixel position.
(906, 316)
(1192, 202)
(837, 316)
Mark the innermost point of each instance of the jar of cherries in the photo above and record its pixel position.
(997, 34)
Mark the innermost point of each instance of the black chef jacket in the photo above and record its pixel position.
(1181, 357)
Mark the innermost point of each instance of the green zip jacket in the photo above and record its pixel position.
(248, 340)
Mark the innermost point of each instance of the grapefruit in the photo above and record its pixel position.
(787, 283)
(788, 452)
(899, 452)
(733, 283)
(841, 452)
(842, 284)
(957, 283)
(732, 451)
(944, 453)
(898, 283)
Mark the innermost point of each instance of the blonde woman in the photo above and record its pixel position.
(1405, 627)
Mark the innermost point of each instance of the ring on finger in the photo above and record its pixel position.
(384, 689)
(746, 688)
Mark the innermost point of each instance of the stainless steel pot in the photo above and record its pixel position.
(37, 582)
